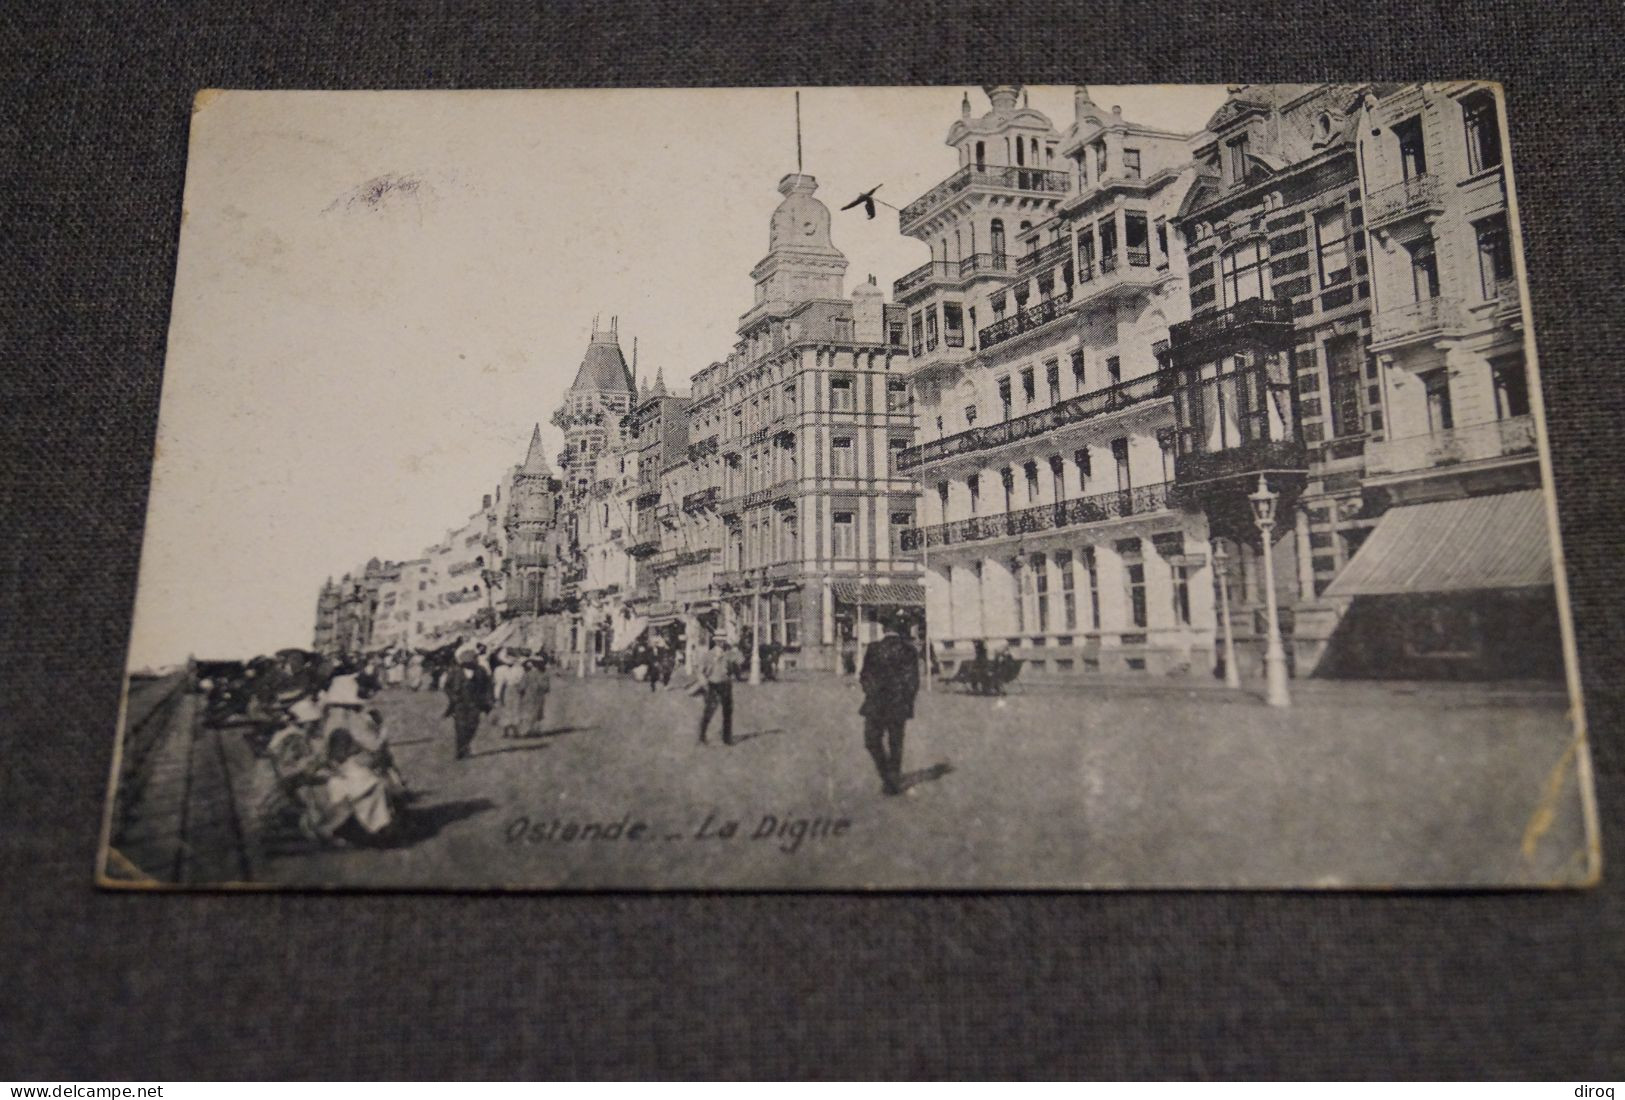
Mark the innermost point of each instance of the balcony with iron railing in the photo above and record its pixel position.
(701, 499)
(1419, 195)
(1513, 437)
(1256, 322)
(1099, 508)
(953, 272)
(1047, 256)
(529, 561)
(1023, 321)
(984, 177)
(1416, 323)
(1115, 278)
(1074, 410)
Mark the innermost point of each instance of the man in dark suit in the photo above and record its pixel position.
(890, 679)
(468, 697)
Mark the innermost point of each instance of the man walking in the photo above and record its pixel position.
(468, 697)
(716, 671)
(890, 679)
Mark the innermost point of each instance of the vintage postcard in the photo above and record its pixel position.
(852, 488)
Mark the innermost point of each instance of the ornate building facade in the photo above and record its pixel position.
(1049, 528)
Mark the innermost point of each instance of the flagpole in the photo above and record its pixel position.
(798, 132)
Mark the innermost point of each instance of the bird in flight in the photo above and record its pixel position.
(867, 200)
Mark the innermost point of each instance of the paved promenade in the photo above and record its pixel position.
(1120, 784)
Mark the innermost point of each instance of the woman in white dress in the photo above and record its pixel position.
(509, 713)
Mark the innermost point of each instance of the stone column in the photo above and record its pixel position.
(999, 595)
(1114, 610)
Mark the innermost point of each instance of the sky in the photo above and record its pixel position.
(379, 294)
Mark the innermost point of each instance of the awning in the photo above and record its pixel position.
(894, 594)
(502, 635)
(1495, 541)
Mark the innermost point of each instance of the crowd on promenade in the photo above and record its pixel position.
(315, 723)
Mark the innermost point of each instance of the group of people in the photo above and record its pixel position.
(509, 686)
(890, 679)
(331, 757)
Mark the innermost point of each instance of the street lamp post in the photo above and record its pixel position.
(1221, 559)
(1275, 681)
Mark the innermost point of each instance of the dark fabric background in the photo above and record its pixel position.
(94, 110)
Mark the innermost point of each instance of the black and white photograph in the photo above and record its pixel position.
(985, 487)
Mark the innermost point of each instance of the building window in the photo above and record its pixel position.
(1024, 580)
(1030, 469)
(1069, 594)
(1108, 245)
(900, 522)
(1114, 370)
(1040, 571)
(896, 395)
(953, 324)
(1131, 164)
(1137, 239)
(1080, 459)
(1424, 270)
(1004, 396)
(1331, 243)
(1120, 458)
(1182, 594)
(1436, 383)
(843, 458)
(1134, 577)
(1494, 254)
(973, 485)
(997, 302)
(1413, 157)
(1236, 162)
(1052, 380)
(1093, 575)
(1483, 131)
(1242, 271)
(1086, 255)
(1511, 386)
(970, 415)
(917, 322)
(840, 394)
(1162, 243)
(1099, 148)
(1077, 369)
(942, 499)
(930, 330)
(894, 456)
(996, 233)
(1343, 380)
(1029, 391)
(844, 535)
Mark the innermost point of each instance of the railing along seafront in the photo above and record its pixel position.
(1117, 504)
(1071, 411)
(1013, 178)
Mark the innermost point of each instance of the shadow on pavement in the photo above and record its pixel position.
(924, 775)
(774, 732)
(422, 823)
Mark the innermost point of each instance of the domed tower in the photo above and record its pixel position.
(601, 395)
(802, 263)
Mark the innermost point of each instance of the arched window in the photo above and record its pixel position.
(981, 155)
(1021, 153)
(997, 233)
